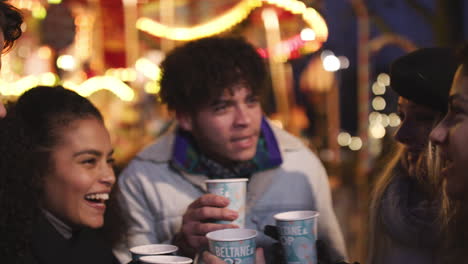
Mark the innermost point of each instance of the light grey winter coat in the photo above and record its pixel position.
(156, 196)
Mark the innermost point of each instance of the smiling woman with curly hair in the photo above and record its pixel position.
(56, 181)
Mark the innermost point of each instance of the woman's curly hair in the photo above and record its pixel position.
(195, 74)
(19, 189)
(10, 23)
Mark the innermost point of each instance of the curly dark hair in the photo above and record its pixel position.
(195, 74)
(19, 188)
(10, 23)
(46, 110)
(31, 130)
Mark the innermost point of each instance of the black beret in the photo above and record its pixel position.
(425, 76)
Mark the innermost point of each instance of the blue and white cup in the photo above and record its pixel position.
(298, 234)
(165, 260)
(152, 249)
(233, 245)
(235, 190)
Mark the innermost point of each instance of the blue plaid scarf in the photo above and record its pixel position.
(187, 157)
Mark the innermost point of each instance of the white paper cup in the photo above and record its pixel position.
(152, 249)
(233, 245)
(235, 190)
(165, 260)
(298, 234)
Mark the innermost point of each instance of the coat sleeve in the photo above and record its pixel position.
(138, 204)
(329, 230)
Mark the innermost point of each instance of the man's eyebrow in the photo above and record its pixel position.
(111, 152)
(87, 151)
(219, 101)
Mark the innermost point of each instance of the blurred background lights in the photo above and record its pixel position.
(377, 130)
(344, 139)
(112, 84)
(378, 103)
(128, 75)
(26, 83)
(356, 143)
(383, 79)
(24, 51)
(24, 27)
(344, 62)
(39, 12)
(222, 23)
(326, 53)
(307, 34)
(66, 62)
(375, 117)
(124, 74)
(229, 19)
(378, 89)
(44, 52)
(48, 79)
(54, 2)
(293, 6)
(385, 120)
(270, 17)
(331, 63)
(149, 69)
(394, 120)
(152, 87)
(277, 123)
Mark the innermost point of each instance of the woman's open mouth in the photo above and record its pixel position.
(97, 200)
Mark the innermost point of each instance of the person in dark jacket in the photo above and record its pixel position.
(405, 201)
(56, 180)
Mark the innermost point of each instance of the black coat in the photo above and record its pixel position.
(50, 247)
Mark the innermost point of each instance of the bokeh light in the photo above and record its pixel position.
(307, 34)
(378, 89)
(344, 139)
(378, 103)
(377, 130)
(394, 120)
(356, 143)
(383, 79)
(66, 62)
(331, 63)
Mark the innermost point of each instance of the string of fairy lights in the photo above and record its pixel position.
(115, 79)
(315, 34)
(232, 17)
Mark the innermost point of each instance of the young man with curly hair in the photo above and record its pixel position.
(214, 86)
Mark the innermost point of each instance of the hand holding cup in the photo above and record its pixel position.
(235, 190)
(197, 222)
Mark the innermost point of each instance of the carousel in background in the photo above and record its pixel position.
(109, 51)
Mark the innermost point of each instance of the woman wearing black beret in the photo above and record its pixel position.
(405, 202)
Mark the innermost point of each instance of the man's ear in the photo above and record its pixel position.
(185, 121)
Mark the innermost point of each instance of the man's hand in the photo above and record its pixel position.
(196, 222)
(209, 258)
